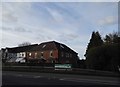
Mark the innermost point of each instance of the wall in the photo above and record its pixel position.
(46, 55)
(67, 57)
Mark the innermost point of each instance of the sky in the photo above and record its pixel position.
(70, 23)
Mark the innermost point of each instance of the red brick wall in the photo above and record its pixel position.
(46, 54)
(32, 55)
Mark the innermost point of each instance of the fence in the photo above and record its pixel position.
(46, 69)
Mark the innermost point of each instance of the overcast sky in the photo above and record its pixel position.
(70, 23)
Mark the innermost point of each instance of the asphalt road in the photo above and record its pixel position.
(10, 78)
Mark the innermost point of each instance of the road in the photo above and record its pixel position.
(10, 78)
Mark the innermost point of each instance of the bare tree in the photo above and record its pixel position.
(24, 44)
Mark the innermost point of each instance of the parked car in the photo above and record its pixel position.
(20, 60)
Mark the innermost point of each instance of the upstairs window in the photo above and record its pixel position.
(22, 54)
(42, 54)
(61, 46)
(51, 53)
(70, 55)
(44, 46)
(67, 54)
(30, 54)
(6, 50)
(62, 54)
(35, 55)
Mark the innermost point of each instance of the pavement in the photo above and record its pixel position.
(12, 78)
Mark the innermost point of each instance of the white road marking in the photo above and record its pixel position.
(37, 76)
(91, 81)
(61, 79)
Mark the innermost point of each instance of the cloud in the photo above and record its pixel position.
(15, 29)
(12, 38)
(68, 23)
(21, 29)
(68, 37)
(8, 17)
(15, 12)
(60, 0)
(73, 36)
(55, 14)
(109, 20)
(6, 28)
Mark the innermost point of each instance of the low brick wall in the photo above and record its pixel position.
(76, 71)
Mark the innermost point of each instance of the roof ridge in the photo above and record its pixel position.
(56, 44)
(47, 42)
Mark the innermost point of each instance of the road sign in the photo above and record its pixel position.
(63, 66)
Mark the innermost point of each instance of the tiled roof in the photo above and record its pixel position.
(48, 46)
(22, 48)
(51, 45)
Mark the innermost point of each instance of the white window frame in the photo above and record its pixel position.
(30, 54)
(42, 54)
(51, 52)
(35, 54)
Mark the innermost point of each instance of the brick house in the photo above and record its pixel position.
(53, 52)
(48, 52)
(15, 52)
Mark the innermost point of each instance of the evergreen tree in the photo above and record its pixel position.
(107, 39)
(94, 41)
(112, 38)
(103, 56)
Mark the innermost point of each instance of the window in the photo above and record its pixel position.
(44, 46)
(30, 54)
(51, 53)
(67, 54)
(6, 50)
(62, 54)
(70, 55)
(41, 54)
(35, 55)
(61, 46)
(22, 54)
